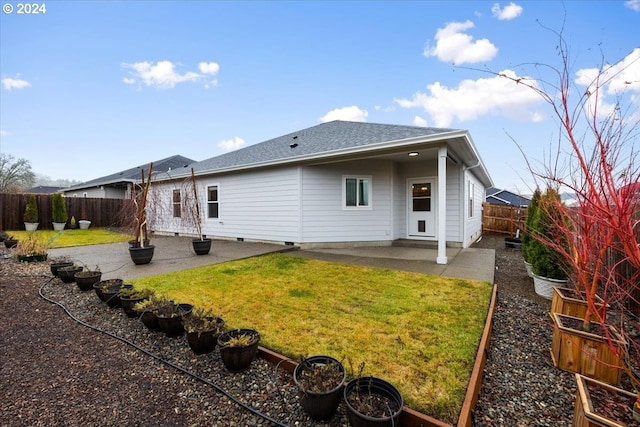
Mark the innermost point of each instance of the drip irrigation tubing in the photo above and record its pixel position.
(160, 359)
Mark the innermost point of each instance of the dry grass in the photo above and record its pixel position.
(419, 332)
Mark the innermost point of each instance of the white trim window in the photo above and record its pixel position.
(176, 204)
(213, 202)
(356, 192)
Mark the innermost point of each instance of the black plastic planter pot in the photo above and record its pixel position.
(100, 286)
(86, 279)
(238, 358)
(141, 256)
(321, 406)
(202, 342)
(128, 305)
(201, 247)
(58, 265)
(10, 243)
(513, 243)
(150, 320)
(172, 326)
(390, 402)
(67, 274)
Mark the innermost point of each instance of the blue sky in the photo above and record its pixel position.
(89, 88)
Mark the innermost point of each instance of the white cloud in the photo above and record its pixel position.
(208, 68)
(163, 74)
(16, 83)
(474, 98)
(452, 44)
(231, 144)
(511, 11)
(633, 5)
(353, 114)
(419, 121)
(614, 80)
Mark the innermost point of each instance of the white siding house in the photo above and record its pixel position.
(338, 183)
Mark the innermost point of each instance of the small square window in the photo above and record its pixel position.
(357, 192)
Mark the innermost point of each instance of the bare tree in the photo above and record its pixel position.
(15, 175)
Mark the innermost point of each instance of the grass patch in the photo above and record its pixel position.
(416, 331)
(77, 237)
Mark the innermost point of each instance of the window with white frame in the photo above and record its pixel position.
(213, 202)
(471, 198)
(356, 192)
(176, 204)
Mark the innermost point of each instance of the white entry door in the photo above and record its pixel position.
(422, 207)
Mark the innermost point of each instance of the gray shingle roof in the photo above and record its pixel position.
(133, 174)
(323, 138)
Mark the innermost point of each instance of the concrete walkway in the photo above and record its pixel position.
(176, 253)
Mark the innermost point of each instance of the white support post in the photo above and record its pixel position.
(442, 205)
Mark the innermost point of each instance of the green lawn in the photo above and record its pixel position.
(419, 332)
(77, 237)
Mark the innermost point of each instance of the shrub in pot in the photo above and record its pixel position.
(87, 278)
(30, 216)
(67, 274)
(170, 317)
(106, 290)
(130, 297)
(372, 401)
(547, 262)
(320, 380)
(238, 348)
(59, 263)
(203, 329)
(59, 212)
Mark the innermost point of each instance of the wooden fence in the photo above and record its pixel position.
(101, 212)
(503, 219)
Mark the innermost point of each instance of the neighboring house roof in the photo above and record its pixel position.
(340, 139)
(505, 197)
(43, 189)
(134, 174)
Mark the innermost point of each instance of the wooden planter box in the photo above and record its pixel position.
(584, 414)
(566, 301)
(586, 353)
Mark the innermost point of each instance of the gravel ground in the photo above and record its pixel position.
(55, 371)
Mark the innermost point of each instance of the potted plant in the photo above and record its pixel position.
(10, 241)
(203, 328)
(72, 223)
(320, 380)
(107, 290)
(140, 251)
(31, 214)
(130, 297)
(192, 215)
(372, 401)
(548, 265)
(67, 274)
(32, 249)
(84, 224)
(59, 263)
(238, 348)
(59, 212)
(147, 309)
(170, 317)
(87, 278)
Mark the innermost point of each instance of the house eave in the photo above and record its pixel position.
(422, 142)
